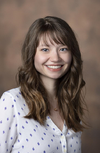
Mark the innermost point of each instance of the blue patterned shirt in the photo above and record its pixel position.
(22, 135)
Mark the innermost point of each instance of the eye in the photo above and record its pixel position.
(64, 49)
(44, 49)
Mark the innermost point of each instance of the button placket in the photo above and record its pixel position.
(64, 143)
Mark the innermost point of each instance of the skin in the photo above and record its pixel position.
(52, 55)
(52, 61)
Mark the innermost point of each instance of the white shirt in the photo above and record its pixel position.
(21, 135)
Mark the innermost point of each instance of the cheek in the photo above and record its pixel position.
(38, 61)
(68, 58)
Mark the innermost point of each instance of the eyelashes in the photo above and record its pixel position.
(62, 49)
(44, 49)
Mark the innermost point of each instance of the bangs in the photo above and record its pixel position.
(54, 36)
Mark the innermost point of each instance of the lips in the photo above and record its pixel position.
(54, 67)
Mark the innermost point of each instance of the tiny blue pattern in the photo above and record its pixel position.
(21, 135)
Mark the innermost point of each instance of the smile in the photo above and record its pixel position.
(54, 67)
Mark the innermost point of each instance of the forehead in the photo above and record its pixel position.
(48, 39)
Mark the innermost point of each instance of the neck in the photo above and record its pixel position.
(49, 85)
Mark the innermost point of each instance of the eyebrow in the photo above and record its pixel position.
(44, 45)
(47, 45)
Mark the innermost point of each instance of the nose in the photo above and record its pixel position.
(55, 57)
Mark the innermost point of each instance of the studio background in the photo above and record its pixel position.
(84, 17)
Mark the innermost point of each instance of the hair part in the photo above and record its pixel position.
(69, 86)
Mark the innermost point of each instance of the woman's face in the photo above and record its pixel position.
(52, 60)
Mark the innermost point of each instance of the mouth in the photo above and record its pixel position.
(54, 66)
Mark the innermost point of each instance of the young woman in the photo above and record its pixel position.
(45, 113)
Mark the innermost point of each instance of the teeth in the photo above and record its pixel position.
(54, 67)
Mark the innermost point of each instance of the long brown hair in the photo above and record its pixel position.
(68, 89)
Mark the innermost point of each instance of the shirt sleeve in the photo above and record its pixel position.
(8, 123)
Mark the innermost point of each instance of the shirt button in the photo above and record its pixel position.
(62, 137)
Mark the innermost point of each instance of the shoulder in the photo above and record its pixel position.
(13, 103)
(8, 98)
(8, 119)
(12, 92)
(12, 95)
(12, 98)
